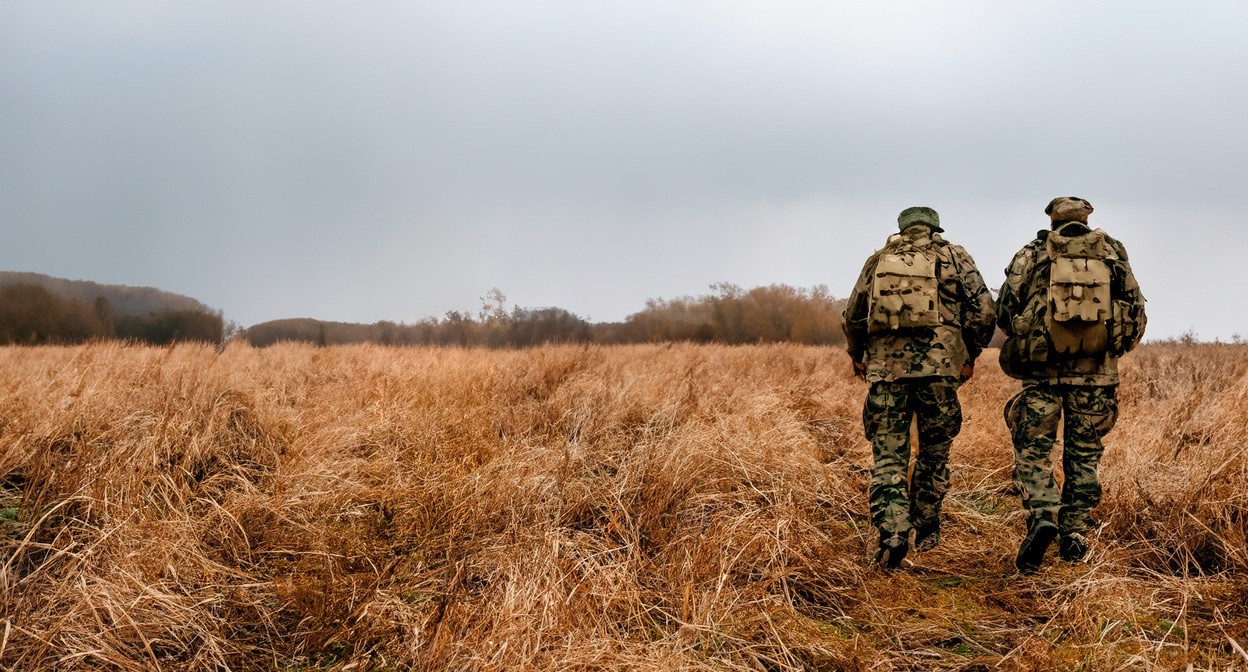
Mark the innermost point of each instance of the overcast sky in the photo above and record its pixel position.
(395, 160)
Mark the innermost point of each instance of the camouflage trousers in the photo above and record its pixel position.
(1089, 412)
(890, 408)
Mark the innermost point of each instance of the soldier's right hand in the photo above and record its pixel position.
(860, 371)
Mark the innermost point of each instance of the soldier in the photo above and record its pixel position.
(1070, 307)
(916, 320)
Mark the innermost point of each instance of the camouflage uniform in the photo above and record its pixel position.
(1080, 389)
(913, 373)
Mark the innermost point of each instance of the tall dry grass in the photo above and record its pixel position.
(629, 507)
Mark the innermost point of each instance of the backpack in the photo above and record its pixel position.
(1079, 304)
(904, 287)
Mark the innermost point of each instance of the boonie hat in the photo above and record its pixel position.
(1068, 209)
(919, 214)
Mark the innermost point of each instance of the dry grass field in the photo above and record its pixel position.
(581, 508)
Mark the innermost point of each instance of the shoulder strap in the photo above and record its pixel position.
(957, 268)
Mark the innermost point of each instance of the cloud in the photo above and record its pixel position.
(590, 155)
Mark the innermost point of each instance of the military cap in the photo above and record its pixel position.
(919, 214)
(1068, 209)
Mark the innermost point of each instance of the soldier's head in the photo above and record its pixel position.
(1068, 209)
(919, 214)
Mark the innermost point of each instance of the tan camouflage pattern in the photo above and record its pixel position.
(1022, 306)
(966, 309)
(904, 293)
(1068, 209)
(1079, 293)
(914, 373)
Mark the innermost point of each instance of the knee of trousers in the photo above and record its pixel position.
(884, 412)
(1031, 417)
(940, 431)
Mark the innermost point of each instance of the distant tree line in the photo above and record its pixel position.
(32, 315)
(37, 309)
(520, 328)
(729, 314)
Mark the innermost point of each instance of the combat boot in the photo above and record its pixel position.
(926, 537)
(1072, 547)
(1040, 534)
(892, 551)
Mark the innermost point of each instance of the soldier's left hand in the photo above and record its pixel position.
(968, 370)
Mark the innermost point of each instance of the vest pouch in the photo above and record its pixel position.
(1079, 295)
(1124, 331)
(904, 292)
(1027, 352)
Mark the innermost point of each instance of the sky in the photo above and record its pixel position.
(395, 160)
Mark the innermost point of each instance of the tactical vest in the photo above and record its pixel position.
(1079, 304)
(905, 289)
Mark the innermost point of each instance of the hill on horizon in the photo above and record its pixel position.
(124, 300)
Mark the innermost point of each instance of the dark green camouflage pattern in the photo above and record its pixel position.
(897, 506)
(919, 215)
(1089, 412)
(966, 309)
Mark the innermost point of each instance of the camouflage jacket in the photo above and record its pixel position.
(1022, 306)
(966, 312)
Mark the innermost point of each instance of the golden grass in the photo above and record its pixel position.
(574, 508)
